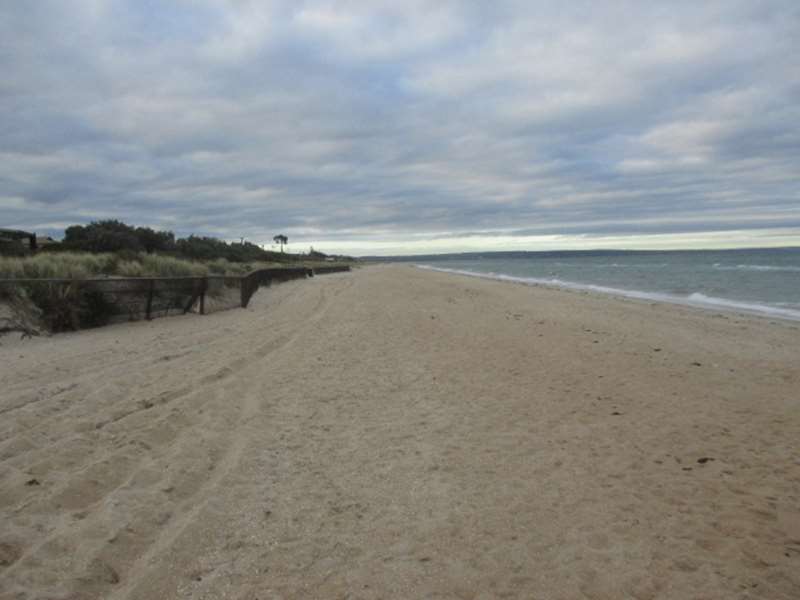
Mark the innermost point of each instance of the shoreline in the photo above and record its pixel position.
(398, 433)
(707, 303)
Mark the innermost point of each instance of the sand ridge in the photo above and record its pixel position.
(397, 433)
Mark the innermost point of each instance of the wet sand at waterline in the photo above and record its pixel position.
(399, 433)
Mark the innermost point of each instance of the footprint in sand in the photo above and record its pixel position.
(9, 554)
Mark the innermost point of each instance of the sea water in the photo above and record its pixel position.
(764, 281)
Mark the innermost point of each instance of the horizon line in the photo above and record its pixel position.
(582, 251)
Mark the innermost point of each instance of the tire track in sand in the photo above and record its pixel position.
(63, 529)
(173, 532)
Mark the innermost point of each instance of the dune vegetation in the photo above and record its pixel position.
(114, 251)
(111, 248)
(82, 265)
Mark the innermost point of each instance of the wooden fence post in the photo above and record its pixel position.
(149, 309)
(73, 295)
(203, 288)
(247, 287)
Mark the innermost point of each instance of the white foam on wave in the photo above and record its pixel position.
(630, 266)
(784, 268)
(695, 299)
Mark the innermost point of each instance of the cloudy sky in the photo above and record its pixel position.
(373, 127)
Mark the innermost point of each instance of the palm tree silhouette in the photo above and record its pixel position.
(281, 239)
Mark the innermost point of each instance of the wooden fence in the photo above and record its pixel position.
(78, 303)
(331, 269)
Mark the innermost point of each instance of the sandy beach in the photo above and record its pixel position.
(400, 433)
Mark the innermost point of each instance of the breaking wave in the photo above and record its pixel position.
(784, 268)
(692, 299)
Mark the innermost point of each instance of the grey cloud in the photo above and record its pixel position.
(334, 123)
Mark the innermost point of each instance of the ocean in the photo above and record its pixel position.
(763, 281)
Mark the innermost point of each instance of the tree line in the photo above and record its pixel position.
(115, 236)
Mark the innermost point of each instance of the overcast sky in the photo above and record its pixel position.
(403, 127)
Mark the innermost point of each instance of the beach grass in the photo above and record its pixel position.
(82, 265)
(63, 308)
(67, 265)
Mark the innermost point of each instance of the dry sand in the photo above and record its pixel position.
(396, 433)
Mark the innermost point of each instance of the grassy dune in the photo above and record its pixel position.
(62, 307)
(79, 265)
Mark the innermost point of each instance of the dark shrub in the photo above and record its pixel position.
(66, 307)
(94, 310)
(12, 248)
(155, 241)
(102, 236)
